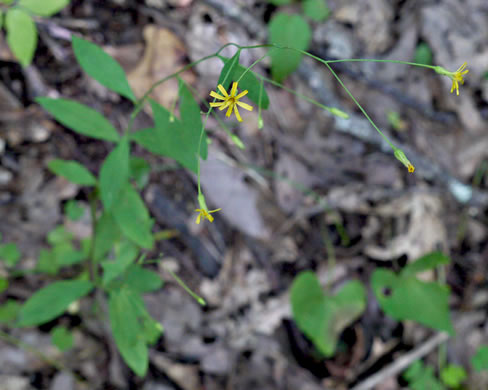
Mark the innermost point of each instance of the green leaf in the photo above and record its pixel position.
(142, 280)
(292, 31)
(192, 120)
(79, 118)
(423, 54)
(9, 254)
(125, 256)
(421, 377)
(59, 235)
(44, 7)
(139, 171)
(72, 171)
(51, 301)
(323, 318)
(407, 298)
(124, 311)
(280, 2)
(3, 284)
(249, 82)
(103, 68)
(114, 173)
(47, 263)
(425, 263)
(317, 10)
(62, 338)
(453, 375)
(132, 216)
(106, 233)
(74, 210)
(65, 254)
(9, 311)
(174, 139)
(480, 360)
(21, 35)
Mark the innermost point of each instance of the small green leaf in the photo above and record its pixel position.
(323, 318)
(480, 360)
(192, 121)
(280, 2)
(74, 210)
(291, 31)
(132, 216)
(411, 299)
(51, 301)
(21, 35)
(423, 54)
(44, 7)
(59, 235)
(421, 377)
(425, 263)
(175, 139)
(124, 310)
(47, 263)
(103, 68)
(230, 64)
(114, 173)
(453, 375)
(106, 233)
(79, 118)
(9, 311)
(72, 171)
(317, 10)
(9, 253)
(139, 171)
(62, 338)
(142, 280)
(3, 284)
(125, 256)
(248, 82)
(65, 254)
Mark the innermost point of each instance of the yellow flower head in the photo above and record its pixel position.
(456, 77)
(205, 214)
(230, 101)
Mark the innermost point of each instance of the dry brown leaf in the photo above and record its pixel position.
(425, 232)
(164, 55)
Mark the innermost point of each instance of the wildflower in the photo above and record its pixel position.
(404, 160)
(205, 214)
(456, 77)
(230, 101)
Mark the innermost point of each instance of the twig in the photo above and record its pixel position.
(402, 363)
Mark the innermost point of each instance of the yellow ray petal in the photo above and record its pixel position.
(216, 95)
(238, 116)
(222, 89)
(245, 106)
(225, 105)
(229, 111)
(234, 89)
(198, 219)
(243, 93)
(212, 104)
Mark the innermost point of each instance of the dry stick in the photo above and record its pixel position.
(403, 362)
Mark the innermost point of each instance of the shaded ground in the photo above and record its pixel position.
(268, 230)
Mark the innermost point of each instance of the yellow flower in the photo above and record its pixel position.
(205, 214)
(230, 101)
(456, 77)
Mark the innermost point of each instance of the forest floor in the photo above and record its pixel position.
(269, 228)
